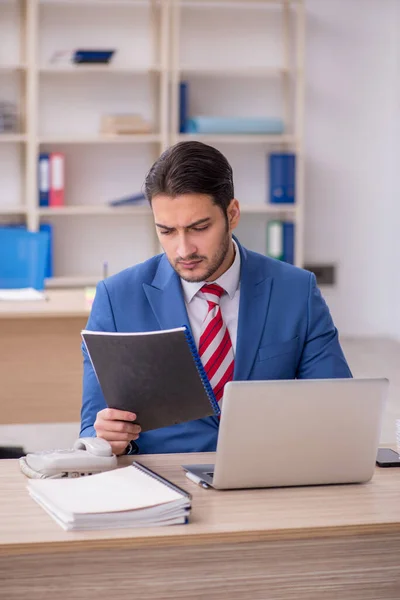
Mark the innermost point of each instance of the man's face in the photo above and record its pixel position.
(195, 234)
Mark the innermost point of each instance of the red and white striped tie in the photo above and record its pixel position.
(215, 346)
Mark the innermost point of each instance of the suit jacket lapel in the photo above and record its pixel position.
(255, 291)
(166, 298)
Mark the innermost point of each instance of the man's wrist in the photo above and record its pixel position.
(132, 448)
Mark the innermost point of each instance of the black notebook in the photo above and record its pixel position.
(158, 375)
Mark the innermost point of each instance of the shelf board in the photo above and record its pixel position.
(13, 210)
(95, 3)
(267, 209)
(238, 139)
(12, 68)
(87, 68)
(140, 138)
(93, 210)
(261, 72)
(146, 211)
(77, 281)
(239, 3)
(10, 138)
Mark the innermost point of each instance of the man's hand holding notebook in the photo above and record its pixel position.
(118, 427)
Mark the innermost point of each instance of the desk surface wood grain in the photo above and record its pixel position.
(220, 516)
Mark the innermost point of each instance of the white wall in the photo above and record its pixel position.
(395, 239)
(351, 199)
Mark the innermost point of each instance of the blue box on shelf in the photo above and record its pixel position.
(23, 258)
(89, 56)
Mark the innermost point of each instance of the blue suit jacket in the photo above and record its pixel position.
(285, 331)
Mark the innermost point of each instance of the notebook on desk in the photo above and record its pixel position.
(132, 496)
(158, 375)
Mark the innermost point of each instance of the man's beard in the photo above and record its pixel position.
(215, 263)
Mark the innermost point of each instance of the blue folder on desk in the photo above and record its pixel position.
(24, 257)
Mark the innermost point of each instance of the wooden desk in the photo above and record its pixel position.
(40, 358)
(58, 303)
(319, 543)
(40, 370)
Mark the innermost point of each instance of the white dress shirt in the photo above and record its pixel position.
(197, 306)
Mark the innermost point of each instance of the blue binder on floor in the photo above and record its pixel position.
(24, 257)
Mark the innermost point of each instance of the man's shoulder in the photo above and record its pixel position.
(278, 269)
(134, 276)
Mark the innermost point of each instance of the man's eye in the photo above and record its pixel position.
(165, 232)
(200, 228)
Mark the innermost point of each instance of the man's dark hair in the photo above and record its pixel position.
(192, 168)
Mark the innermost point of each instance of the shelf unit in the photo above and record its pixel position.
(43, 26)
(287, 71)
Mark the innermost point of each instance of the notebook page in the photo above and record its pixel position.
(112, 491)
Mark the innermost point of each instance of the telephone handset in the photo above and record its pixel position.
(87, 456)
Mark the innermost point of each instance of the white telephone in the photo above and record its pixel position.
(87, 456)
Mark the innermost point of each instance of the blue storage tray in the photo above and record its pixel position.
(23, 258)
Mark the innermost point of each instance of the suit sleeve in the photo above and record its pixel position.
(101, 319)
(322, 356)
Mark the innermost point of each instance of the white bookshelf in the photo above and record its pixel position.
(159, 44)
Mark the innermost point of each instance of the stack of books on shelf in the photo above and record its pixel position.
(124, 124)
(8, 117)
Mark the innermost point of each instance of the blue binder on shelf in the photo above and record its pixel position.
(183, 106)
(48, 228)
(24, 257)
(282, 178)
(288, 242)
(280, 240)
(44, 179)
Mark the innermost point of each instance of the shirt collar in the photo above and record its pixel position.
(229, 280)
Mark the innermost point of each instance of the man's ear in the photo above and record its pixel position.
(233, 212)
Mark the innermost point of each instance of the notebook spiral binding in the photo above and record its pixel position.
(161, 479)
(202, 373)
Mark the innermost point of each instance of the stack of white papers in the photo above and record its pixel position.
(132, 496)
(27, 294)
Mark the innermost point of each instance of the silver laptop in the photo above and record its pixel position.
(297, 432)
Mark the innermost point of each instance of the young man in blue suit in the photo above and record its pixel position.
(278, 324)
